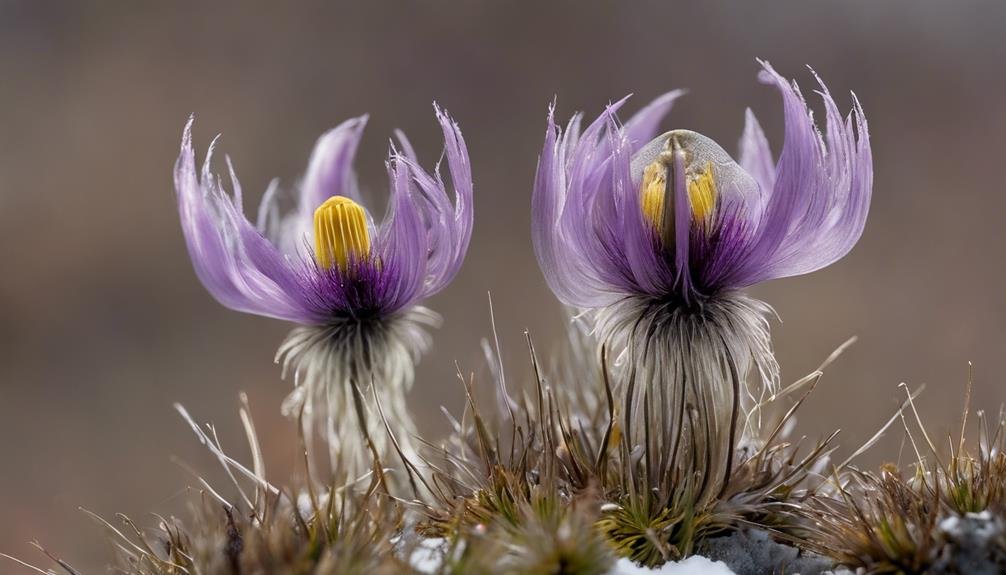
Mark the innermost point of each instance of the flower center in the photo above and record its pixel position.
(340, 233)
(657, 191)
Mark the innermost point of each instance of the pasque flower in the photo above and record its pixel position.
(353, 285)
(656, 235)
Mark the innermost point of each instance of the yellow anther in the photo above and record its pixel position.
(701, 193)
(653, 189)
(340, 233)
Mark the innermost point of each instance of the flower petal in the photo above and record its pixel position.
(330, 169)
(450, 226)
(448, 223)
(821, 195)
(643, 125)
(566, 271)
(588, 229)
(238, 266)
(329, 173)
(755, 154)
(402, 244)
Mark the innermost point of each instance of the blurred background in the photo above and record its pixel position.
(103, 323)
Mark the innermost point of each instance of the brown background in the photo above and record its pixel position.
(103, 324)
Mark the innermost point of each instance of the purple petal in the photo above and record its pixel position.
(593, 242)
(546, 201)
(818, 206)
(588, 216)
(241, 269)
(450, 249)
(704, 252)
(402, 243)
(569, 276)
(632, 237)
(416, 251)
(330, 169)
(448, 223)
(329, 173)
(642, 126)
(755, 154)
(589, 233)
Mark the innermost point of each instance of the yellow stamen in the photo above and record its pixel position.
(654, 185)
(340, 233)
(701, 193)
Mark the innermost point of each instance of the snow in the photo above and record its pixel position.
(694, 565)
(428, 555)
(957, 526)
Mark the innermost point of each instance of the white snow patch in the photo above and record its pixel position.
(428, 555)
(951, 525)
(956, 525)
(694, 565)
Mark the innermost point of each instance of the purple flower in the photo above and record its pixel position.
(280, 268)
(654, 237)
(353, 285)
(616, 213)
